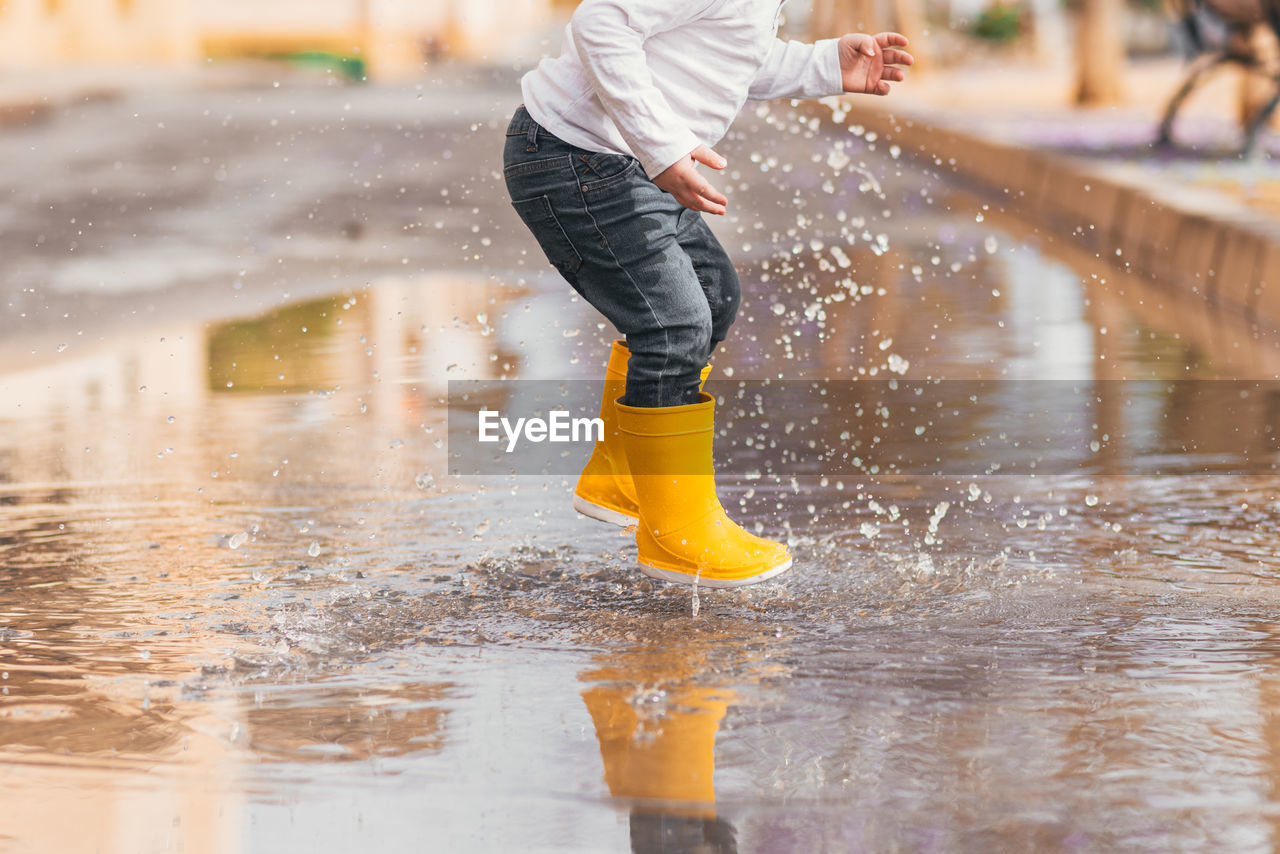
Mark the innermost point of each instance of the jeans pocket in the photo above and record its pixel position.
(604, 165)
(607, 170)
(538, 215)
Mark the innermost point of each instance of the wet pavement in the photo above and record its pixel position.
(247, 608)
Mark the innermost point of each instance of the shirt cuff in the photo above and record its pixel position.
(661, 158)
(826, 54)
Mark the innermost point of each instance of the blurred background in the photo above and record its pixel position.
(393, 38)
(1035, 52)
(246, 245)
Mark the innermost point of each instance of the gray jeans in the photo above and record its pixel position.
(643, 260)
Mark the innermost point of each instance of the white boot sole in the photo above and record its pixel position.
(717, 583)
(602, 514)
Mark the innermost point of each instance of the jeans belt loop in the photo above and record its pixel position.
(533, 135)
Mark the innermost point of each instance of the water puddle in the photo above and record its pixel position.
(248, 606)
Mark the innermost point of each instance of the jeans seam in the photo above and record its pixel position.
(666, 334)
(586, 206)
(666, 360)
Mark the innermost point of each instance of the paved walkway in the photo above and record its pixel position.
(1031, 106)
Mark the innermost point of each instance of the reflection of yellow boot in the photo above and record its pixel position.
(674, 761)
(605, 490)
(662, 759)
(683, 531)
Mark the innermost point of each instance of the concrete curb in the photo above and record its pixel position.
(18, 112)
(1185, 239)
(21, 111)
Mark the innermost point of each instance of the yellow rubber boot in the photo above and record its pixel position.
(605, 490)
(683, 533)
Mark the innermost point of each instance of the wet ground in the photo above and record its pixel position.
(247, 608)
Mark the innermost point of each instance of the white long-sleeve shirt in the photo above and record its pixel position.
(658, 78)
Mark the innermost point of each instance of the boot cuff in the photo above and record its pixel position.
(667, 420)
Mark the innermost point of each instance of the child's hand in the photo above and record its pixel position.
(682, 180)
(867, 62)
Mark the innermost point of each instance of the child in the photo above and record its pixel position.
(600, 162)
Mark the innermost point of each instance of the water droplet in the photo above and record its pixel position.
(237, 540)
(313, 550)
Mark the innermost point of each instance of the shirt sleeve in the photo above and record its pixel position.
(798, 70)
(609, 37)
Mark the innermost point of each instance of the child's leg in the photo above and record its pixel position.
(615, 236)
(716, 274)
(656, 271)
(646, 283)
